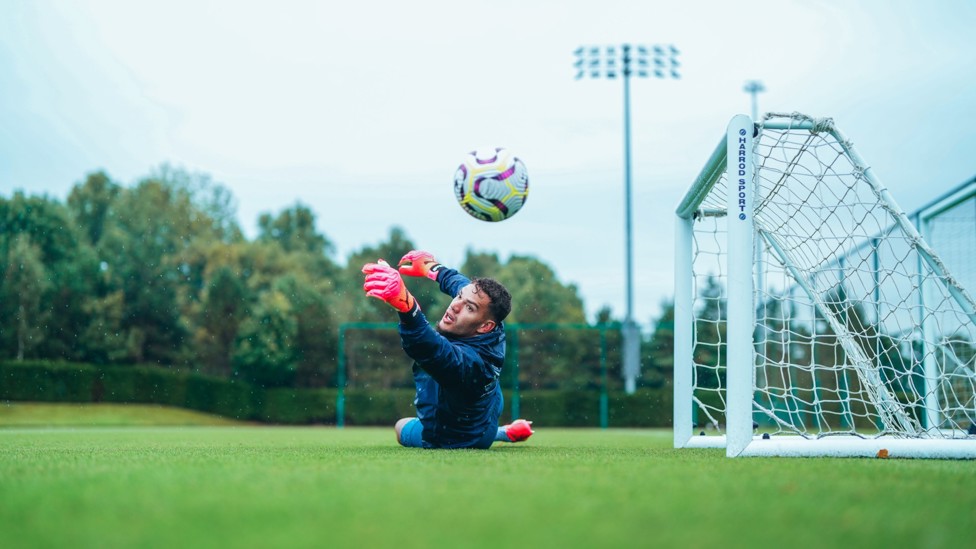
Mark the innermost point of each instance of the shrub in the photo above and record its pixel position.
(299, 406)
(64, 382)
(44, 381)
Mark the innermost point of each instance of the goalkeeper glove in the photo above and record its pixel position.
(420, 263)
(383, 282)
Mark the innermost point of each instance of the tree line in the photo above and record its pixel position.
(160, 273)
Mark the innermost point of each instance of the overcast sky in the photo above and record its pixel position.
(362, 110)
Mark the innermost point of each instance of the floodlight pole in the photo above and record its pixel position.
(753, 88)
(628, 203)
(599, 62)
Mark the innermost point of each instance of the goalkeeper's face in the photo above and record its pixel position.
(468, 314)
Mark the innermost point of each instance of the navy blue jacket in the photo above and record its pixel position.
(469, 399)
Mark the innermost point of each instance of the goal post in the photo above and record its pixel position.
(811, 317)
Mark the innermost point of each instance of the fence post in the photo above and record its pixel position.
(604, 399)
(515, 374)
(341, 379)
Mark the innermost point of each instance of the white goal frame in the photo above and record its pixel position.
(735, 165)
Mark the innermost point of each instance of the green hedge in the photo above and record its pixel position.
(142, 385)
(226, 398)
(47, 381)
(645, 408)
(299, 406)
(378, 407)
(68, 382)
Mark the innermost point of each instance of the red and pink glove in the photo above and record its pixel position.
(419, 263)
(384, 282)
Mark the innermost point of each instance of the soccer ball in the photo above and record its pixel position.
(491, 184)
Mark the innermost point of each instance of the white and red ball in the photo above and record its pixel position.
(491, 184)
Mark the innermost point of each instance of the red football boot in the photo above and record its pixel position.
(519, 430)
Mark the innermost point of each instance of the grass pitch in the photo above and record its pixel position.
(253, 486)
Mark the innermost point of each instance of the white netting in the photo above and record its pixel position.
(859, 329)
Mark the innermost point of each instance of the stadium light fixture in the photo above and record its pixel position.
(626, 61)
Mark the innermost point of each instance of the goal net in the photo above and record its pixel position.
(811, 317)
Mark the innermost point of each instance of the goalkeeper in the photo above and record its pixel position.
(457, 366)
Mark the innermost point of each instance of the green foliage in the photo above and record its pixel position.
(144, 250)
(139, 384)
(562, 408)
(482, 264)
(294, 230)
(568, 408)
(40, 381)
(660, 348)
(221, 310)
(230, 399)
(46, 273)
(91, 202)
(158, 274)
(299, 406)
(265, 352)
(47, 381)
(645, 408)
(711, 325)
(372, 407)
(537, 295)
(25, 285)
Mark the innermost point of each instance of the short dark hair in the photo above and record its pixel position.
(500, 300)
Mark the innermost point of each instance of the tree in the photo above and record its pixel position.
(711, 325)
(316, 338)
(538, 297)
(106, 340)
(265, 349)
(159, 272)
(605, 315)
(90, 203)
(294, 230)
(151, 237)
(481, 264)
(660, 349)
(148, 229)
(223, 309)
(43, 229)
(212, 208)
(657, 352)
(25, 284)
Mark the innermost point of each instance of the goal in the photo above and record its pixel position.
(811, 317)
